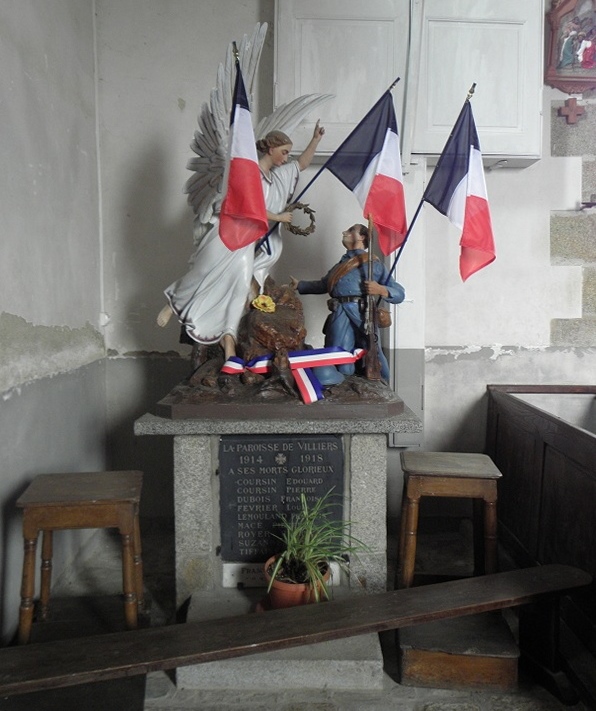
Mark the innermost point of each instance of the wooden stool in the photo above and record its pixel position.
(83, 500)
(455, 475)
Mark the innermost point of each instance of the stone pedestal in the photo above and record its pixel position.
(351, 663)
(199, 568)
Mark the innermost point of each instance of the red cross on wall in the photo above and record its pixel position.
(571, 111)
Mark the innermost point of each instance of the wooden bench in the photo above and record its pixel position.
(123, 654)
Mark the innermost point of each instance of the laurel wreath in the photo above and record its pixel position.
(294, 229)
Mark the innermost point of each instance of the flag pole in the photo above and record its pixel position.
(442, 156)
(368, 113)
(322, 168)
(403, 244)
(372, 368)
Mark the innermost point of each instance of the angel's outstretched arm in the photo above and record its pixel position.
(305, 158)
(279, 217)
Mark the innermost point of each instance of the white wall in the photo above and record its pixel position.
(51, 351)
(512, 301)
(48, 184)
(157, 65)
(495, 328)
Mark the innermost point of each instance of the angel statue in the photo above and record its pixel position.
(210, 298)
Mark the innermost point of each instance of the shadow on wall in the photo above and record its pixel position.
(11, 530)
(154, 377)
(137, 379)
(467, 433)
(49, 425)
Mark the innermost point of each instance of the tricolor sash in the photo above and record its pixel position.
(301, 365)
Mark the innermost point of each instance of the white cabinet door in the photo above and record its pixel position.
(439, 48)
(499, 46)
(350, 48)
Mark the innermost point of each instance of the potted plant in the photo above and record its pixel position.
(312, 540)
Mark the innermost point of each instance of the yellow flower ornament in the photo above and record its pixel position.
(264, 303)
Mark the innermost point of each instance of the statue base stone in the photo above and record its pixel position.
(267, 400)
(353, 663)
(199, 567)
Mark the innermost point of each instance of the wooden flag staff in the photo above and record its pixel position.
(372, 367)
(421, 203)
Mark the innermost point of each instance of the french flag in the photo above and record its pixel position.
(457, 189)
(368, 163)
(243, 216)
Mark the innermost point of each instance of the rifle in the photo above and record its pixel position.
(372, 367)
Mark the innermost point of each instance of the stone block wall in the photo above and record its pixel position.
(573, 233)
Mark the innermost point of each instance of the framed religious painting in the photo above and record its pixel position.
(571, 46)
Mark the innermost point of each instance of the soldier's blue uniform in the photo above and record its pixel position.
(345, 325)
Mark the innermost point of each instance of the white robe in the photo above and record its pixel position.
(210, 298)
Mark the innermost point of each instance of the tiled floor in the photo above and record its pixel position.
(92, 586)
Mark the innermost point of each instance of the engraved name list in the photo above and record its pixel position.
(264, 476)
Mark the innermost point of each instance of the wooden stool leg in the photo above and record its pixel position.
(27, 591)
(46, 573)
(490, 537)
(478, 530)
(410, 533)
(128, 581)
(402, 540)
(138, 561)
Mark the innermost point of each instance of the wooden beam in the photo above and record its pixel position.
(122, 654)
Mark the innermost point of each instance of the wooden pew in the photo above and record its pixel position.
(66, 662)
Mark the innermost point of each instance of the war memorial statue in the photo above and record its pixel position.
(247, 332)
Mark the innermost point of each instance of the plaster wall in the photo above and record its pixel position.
(52, 375)
(496, 327)
(48, 425)
(133, 385)
(513, 300)
(157, 63)
(48, 185)
(49, 210)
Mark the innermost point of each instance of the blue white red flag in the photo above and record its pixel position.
(368, 163)
(457, 189)
(243, 216)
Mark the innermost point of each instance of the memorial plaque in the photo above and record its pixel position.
(262, 476)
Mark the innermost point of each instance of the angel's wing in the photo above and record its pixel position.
(210, 142)
(287, 117)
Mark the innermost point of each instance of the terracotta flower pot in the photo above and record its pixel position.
(284, 594)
